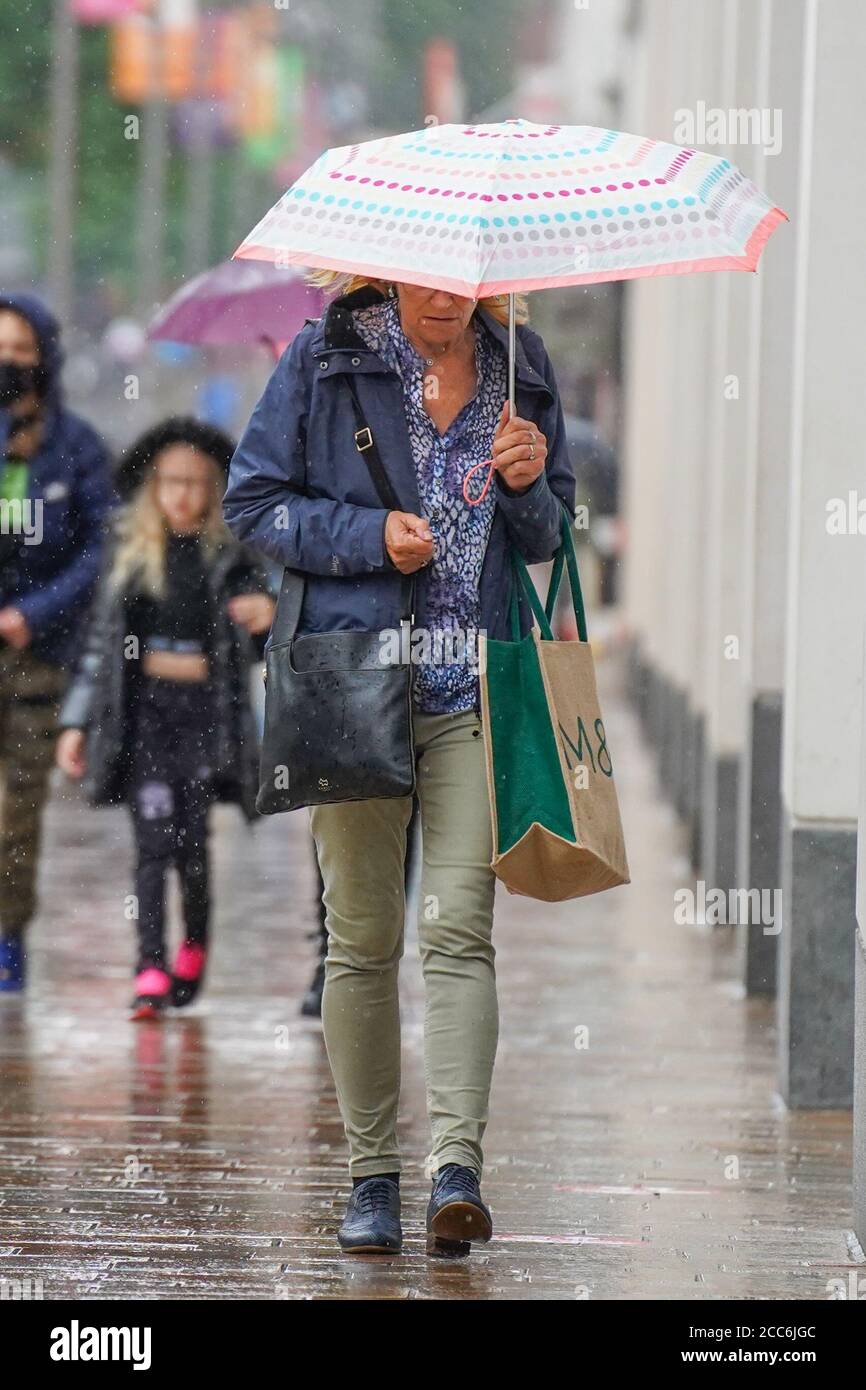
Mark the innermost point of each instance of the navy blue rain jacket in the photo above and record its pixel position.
(52, 582)
(300, 492)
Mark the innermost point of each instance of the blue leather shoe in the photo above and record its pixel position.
(456, 1214)
(11, 965)
(372, 1221)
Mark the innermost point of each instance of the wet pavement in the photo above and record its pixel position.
(636, 1149)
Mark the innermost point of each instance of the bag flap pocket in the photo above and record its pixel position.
(341, 651)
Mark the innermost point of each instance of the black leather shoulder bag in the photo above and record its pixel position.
(338, 705)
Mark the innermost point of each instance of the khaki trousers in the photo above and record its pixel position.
(30, 691)
(361, 849)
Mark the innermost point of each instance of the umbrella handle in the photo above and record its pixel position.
(474, 501)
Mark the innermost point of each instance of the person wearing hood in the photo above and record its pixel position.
(55, 492)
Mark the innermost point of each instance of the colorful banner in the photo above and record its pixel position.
(273, 110)
(104, 11)
(220, 56)
(148, 60)
(443, 90)
(228, 61)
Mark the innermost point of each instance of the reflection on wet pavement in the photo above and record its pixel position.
(204, 1157)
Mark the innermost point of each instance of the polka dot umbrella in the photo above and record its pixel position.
(495, 209)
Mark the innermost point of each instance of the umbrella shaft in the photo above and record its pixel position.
(512, 347)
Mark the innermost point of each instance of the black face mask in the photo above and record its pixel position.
(16, 381)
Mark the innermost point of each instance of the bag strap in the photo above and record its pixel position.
(523, 582)
(369, 451)
(291, 596)
(564, 558)
(288, 609)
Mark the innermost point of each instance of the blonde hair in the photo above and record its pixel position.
(142, 534)
(344, 282)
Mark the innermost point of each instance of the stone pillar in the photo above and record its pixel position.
(693, 383)
(646, 336)
(780, 64)
(723, 595)
(826, 599)
(685, 452)
(860, 996)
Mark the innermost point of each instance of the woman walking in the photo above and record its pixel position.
(159, 712)
(429, 373)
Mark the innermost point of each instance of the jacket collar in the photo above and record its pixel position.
(336, 330)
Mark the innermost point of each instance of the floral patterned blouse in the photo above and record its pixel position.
(446, 677)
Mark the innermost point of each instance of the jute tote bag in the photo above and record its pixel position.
(556, 825)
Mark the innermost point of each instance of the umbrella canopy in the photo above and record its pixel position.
(238, 302)
(492, 209)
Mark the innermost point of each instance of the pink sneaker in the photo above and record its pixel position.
(187, 973)
(152, 992)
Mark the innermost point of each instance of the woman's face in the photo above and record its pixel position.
(18, 341)
(435, 316)
(184, 478)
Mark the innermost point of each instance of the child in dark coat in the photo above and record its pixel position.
(159, 713)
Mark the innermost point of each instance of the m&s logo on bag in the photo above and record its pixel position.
(599, 756)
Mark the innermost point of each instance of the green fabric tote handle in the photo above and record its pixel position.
(564, 558)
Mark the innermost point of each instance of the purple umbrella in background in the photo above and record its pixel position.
(239, 302)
